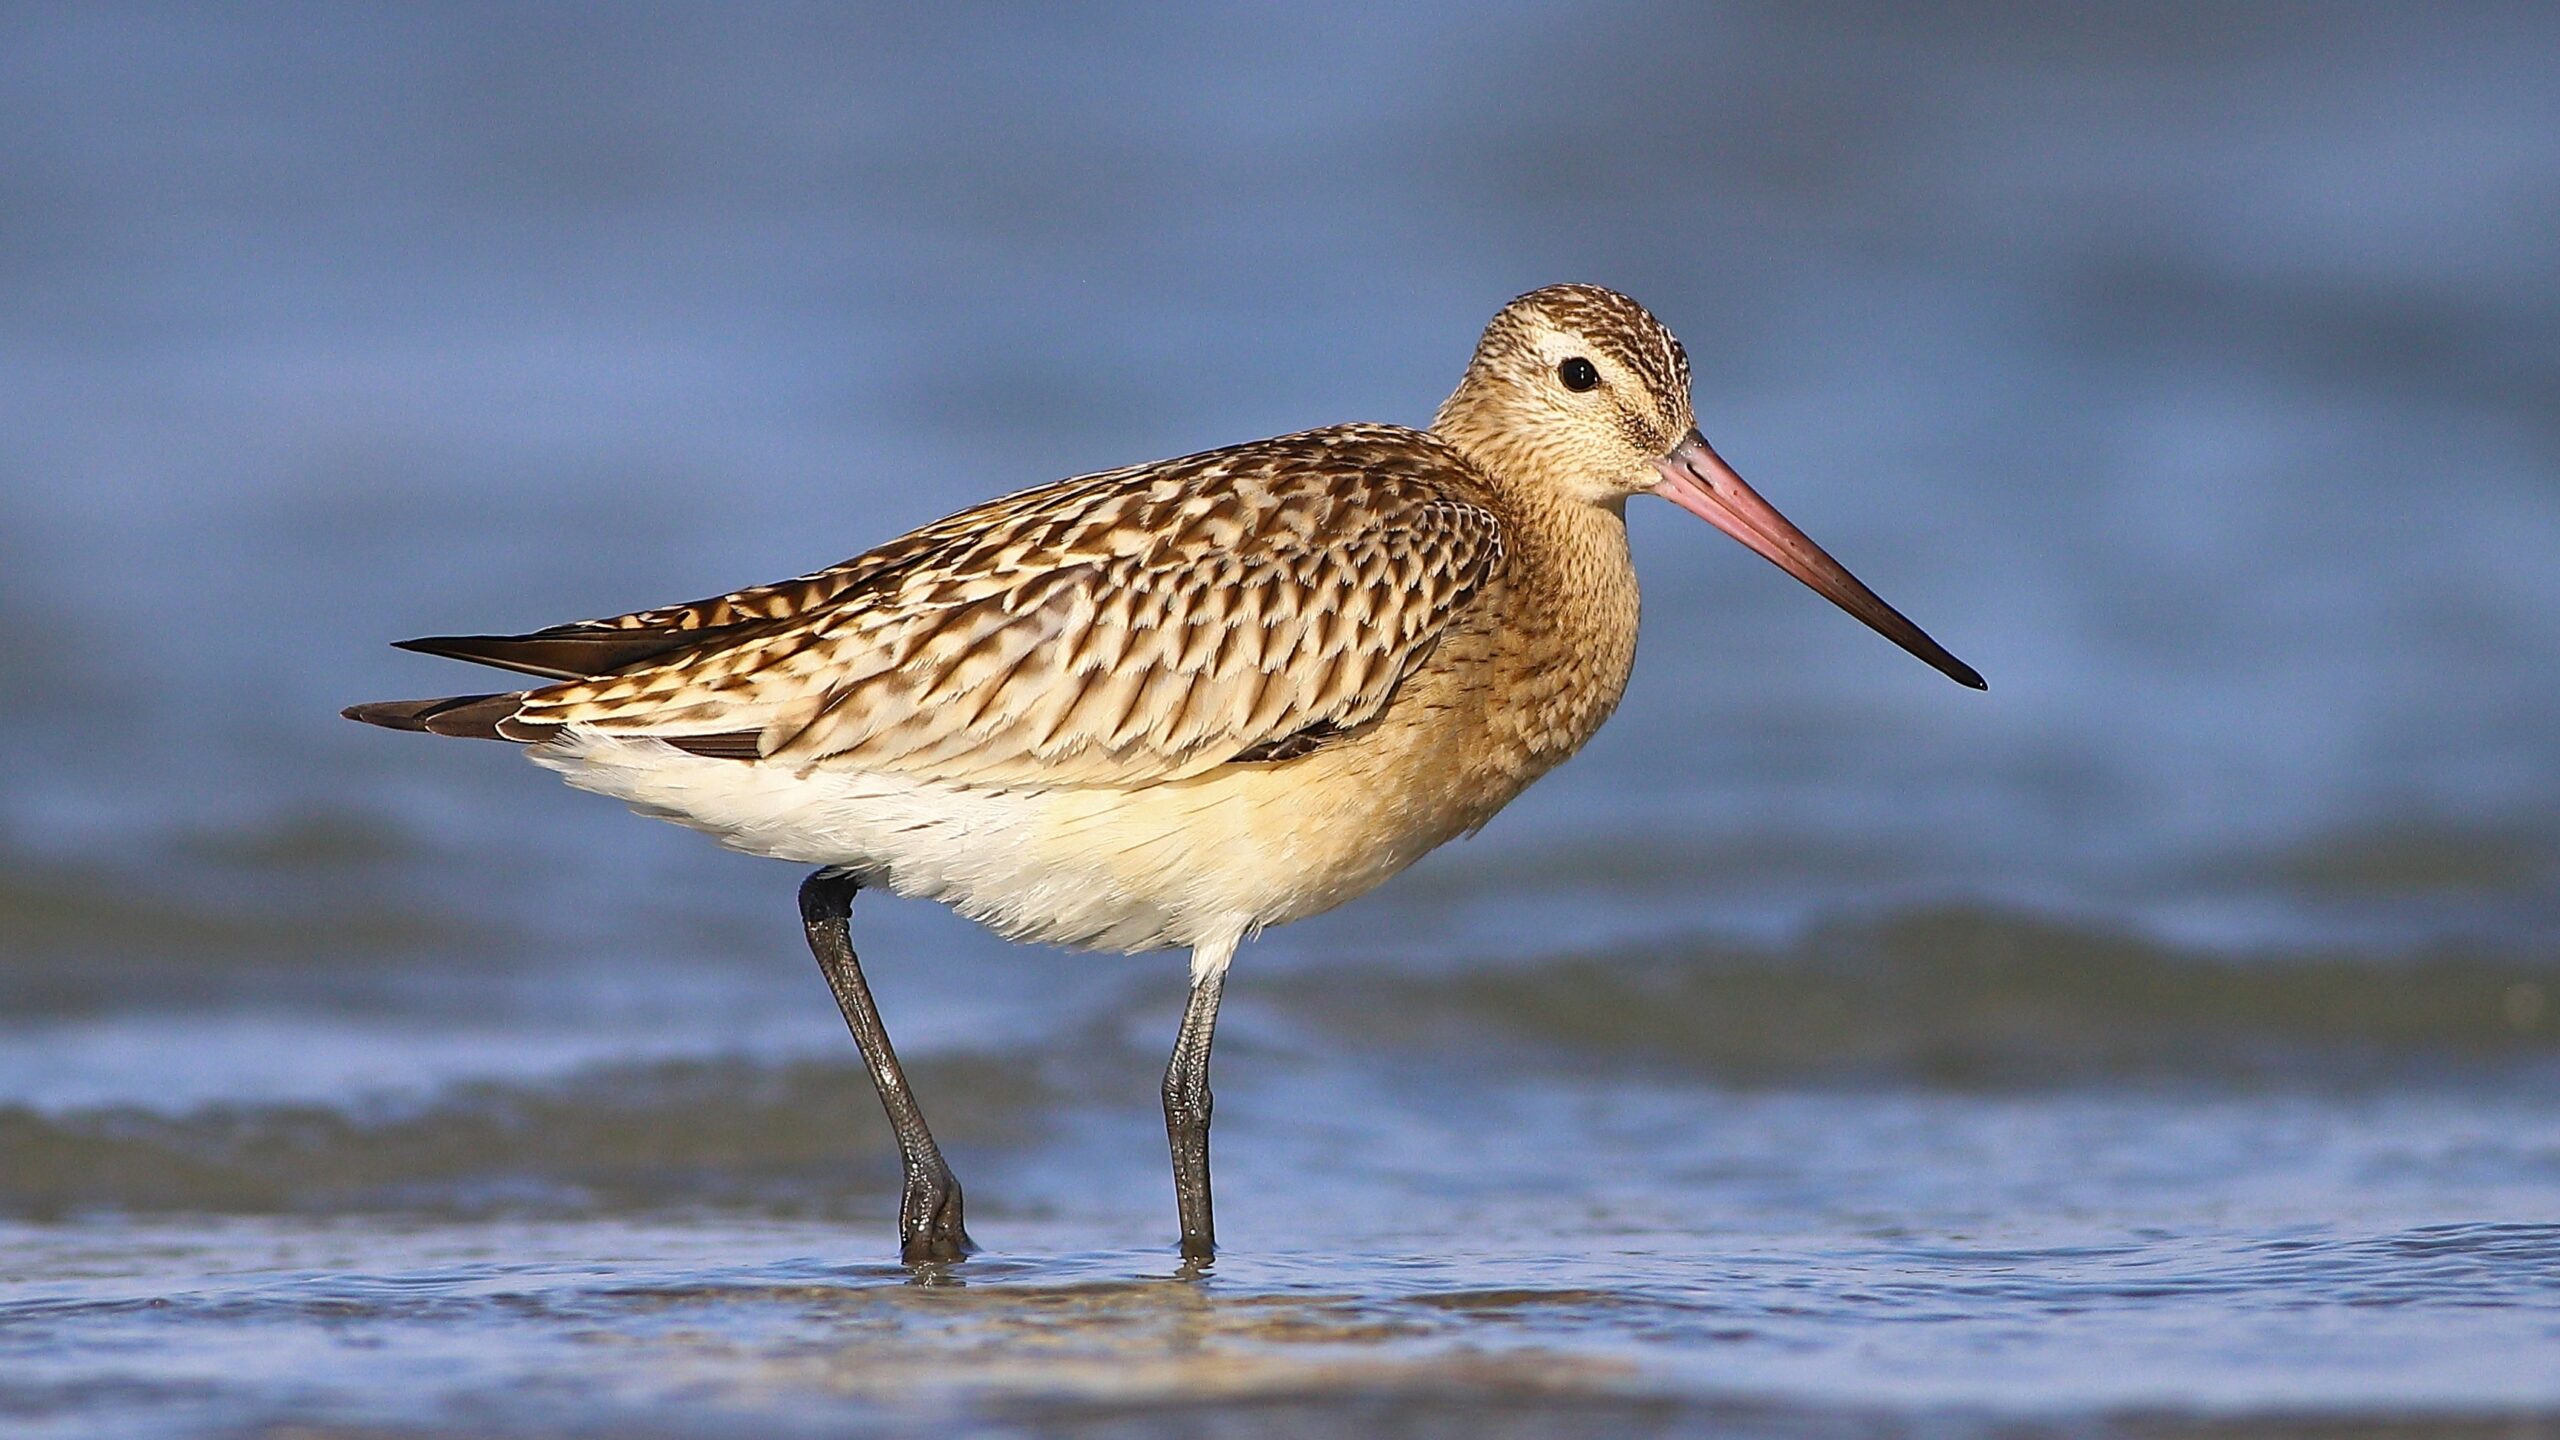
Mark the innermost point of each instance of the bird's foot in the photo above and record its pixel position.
(929, 1224)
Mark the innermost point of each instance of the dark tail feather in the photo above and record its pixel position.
(472, 717)
(566, 652)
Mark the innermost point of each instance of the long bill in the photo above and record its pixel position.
(1695, 478)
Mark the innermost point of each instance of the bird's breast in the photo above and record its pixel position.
(1510, 692)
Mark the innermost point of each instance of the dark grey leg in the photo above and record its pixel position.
(1187, 1103)
(929, 1227)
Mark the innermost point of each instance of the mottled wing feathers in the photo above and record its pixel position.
(1115, 629)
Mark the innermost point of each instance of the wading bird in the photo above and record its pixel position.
(1172, 704)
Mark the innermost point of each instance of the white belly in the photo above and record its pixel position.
(1192, 863)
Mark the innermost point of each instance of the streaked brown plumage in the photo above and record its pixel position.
(1121, 629)
(1173, 703)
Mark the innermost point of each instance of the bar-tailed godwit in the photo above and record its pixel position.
(1172, 704)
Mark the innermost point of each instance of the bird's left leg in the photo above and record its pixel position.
(1187, 1101)
(929, 1225)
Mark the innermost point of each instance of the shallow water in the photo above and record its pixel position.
(2165, 1043)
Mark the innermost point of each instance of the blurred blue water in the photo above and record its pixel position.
(2192, 370)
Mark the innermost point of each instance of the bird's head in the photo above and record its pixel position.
(1578, 390)
(1576, 387)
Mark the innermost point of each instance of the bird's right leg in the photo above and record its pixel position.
(929, 1228)
(1187, 1102)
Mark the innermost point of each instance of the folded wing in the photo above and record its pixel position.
(1116, 629)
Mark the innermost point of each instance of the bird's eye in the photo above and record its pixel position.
(1578, 374)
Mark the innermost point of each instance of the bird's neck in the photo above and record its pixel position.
(1475, 429)
(1567, 634)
